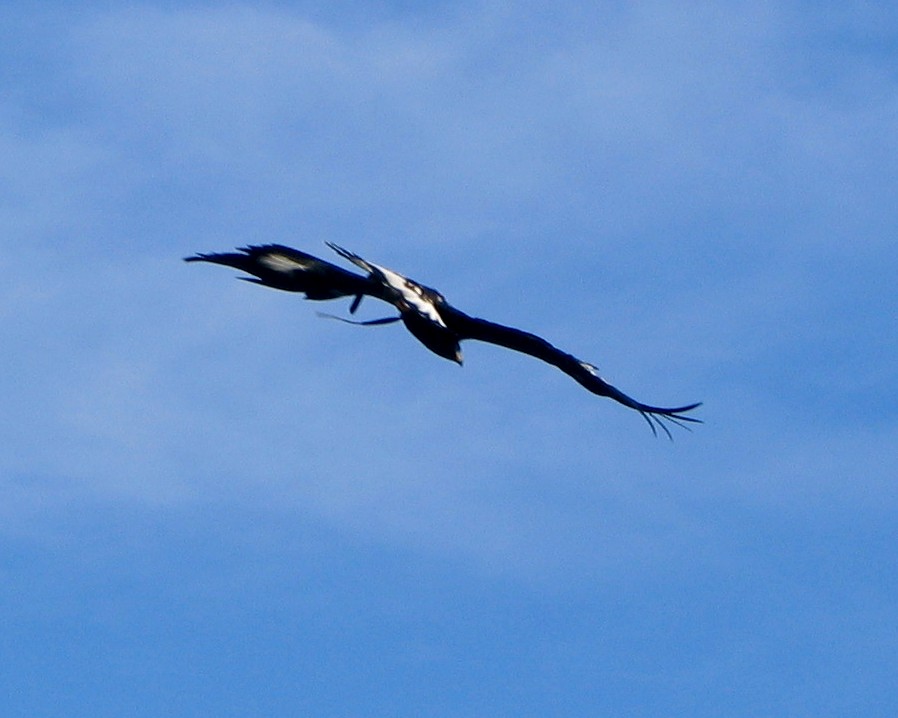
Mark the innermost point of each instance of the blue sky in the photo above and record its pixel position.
(214, 503)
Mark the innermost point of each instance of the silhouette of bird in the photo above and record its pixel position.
(425, 313)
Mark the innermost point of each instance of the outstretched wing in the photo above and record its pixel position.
(467, 327)
(280, 267)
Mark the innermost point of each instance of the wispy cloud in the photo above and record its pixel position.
(647, 186)
(207, 492)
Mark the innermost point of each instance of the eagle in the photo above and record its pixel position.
(425, 313)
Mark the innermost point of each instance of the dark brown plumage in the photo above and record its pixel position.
(425, 313)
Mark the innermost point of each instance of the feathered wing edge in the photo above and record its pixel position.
(653, 415)
(351, 257)
(248, 258)
(584, 373)
(291, 270)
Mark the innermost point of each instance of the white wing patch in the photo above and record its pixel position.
(591, 368)
(283, 263)
(411, 294)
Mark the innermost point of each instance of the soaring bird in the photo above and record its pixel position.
(425, 313)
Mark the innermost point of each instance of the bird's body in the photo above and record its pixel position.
(420, 308)
(424, 311)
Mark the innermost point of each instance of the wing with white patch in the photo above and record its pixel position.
(281, 267)
(408, 294)
(280, 262)
(412, 294)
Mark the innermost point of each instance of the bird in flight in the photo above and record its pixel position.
(424, 311)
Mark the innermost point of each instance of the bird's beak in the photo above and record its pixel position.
(460, 360)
